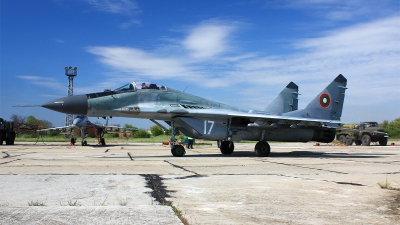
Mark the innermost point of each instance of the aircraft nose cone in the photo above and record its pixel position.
(77, 105)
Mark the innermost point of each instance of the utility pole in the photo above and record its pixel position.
(70, 73)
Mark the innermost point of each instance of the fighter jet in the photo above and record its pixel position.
(205, 119)
(82, 127)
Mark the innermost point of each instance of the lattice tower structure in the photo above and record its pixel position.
(70, 73)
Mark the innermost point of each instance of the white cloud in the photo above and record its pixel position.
(60, 41)
(360, 50)
(342, 10)
(43, 82)
(207, 40)
(141, 63)
(366, 54)
(131, 23)
(114, 6)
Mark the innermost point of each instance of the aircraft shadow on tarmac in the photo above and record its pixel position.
(311, 154)
(292, 154)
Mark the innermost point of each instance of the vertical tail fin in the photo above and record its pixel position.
(286, 101)
(329, 103)
(326, 105)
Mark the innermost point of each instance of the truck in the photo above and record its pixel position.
(7, 132)
(362, 134)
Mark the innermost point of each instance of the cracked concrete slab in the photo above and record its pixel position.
(298, 184)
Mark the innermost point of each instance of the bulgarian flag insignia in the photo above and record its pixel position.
(324, 100)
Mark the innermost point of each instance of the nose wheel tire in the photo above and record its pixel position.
(178, 151)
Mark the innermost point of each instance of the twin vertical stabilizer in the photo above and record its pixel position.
(328, 104)
(286, 101)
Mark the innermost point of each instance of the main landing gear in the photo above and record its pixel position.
(227, 147)
(262, 149)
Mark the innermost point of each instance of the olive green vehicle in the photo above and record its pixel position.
(362, 134)
(7, 132)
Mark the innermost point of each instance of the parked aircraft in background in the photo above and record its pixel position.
(205, 119)
(82, 127)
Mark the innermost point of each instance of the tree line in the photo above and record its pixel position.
(30, 121)
(392, 127)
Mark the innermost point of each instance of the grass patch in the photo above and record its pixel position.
(177, 212)
(73, 203)
(123, 202)
(35, 203)
(4, 204)
(387, 186)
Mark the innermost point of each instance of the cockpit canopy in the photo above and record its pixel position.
(134, 86)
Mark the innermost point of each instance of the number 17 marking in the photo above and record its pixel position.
(205, 126)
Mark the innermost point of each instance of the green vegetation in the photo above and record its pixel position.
(73, 203)
(127, 125)
(124, 202)
(35, 203)
(5, 204)
(156, 134)
(156, 130)
(32, 121)
(387, 185)
(141, 134)
(177, 212)
(393, 127)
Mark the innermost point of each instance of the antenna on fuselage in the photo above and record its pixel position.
(185, 88)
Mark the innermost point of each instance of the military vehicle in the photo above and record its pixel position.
(7, 132)
(362, 134)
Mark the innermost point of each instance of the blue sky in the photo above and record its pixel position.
(240, 53)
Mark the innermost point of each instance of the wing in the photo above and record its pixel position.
(267, 120)
(111, 129)
(64, 129)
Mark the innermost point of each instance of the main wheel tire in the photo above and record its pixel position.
(102, 141)
(383, 142)
(178, 151)
(73, 140)
(8, 138)
(84, 143)
(12, 138)
(342, 139)
(349, 140)
(366, 140)
(227, 147)
(262, 149)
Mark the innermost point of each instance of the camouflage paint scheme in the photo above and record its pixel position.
(205, 119)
